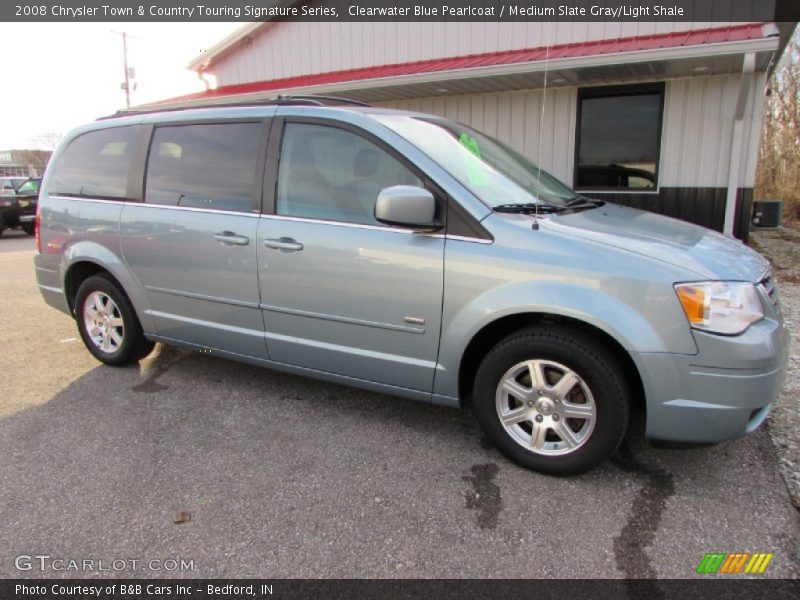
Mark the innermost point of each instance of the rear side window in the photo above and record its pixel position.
(95, 164)
(203, 166)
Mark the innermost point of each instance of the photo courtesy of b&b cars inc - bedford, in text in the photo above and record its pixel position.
(332, 299)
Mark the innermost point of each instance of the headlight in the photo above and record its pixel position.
(727, 307)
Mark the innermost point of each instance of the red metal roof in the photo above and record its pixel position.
(697, 37)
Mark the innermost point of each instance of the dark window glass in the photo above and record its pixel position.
(619, 138)
(203, 166)
(332, 174)
(95, 164)
(29, 187)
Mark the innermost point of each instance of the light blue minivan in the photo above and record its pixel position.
(412, 255)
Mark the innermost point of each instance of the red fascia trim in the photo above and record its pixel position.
(697, 37)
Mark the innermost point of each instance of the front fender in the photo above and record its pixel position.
(111, 261)
(629, 327)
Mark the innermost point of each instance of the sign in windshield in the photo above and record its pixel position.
(495, 173)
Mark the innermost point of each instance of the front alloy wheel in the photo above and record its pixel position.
(545, 407)
(552, 399)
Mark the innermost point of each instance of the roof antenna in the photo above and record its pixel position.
(539, 151)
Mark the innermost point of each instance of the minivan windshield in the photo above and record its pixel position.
(495, 173)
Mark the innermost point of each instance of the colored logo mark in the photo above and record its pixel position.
(733, 563)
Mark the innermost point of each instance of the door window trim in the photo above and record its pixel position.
(275, 147)
(137, 178)
(130, 175)
(468, 226)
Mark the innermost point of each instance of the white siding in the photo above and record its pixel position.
(696, 134)
(287, 49)
(698, 126)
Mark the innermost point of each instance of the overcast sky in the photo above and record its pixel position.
(57, 76)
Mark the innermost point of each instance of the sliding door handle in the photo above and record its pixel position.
(228, 238)
(284, 244)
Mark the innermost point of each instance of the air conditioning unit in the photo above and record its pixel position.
(767, 213)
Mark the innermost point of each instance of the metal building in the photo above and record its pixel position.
(661, 116)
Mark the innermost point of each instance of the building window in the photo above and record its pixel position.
(619, 137)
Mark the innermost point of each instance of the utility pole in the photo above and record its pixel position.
(125, 62)
(127, 85)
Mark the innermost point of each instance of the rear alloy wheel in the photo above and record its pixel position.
(552, 399)
(103, 321)
(108, 324)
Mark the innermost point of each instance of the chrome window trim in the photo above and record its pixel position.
(339, 223)
(86, 199)
(464, 238)
(151, 205)
(378, 228)
(459, 238)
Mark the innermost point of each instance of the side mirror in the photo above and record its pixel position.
(406, 206)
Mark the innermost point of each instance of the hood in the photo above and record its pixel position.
(707, 253)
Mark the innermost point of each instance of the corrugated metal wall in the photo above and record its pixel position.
(698, 126)
(303, 48)
(695, 144)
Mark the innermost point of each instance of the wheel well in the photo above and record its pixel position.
(77, 274)
(492, 333)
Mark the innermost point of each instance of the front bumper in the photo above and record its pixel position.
(723, 392)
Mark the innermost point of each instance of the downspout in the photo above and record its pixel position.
(734, 164)
(201, 76)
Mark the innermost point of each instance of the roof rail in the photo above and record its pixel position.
(319, 99)
(291, 100)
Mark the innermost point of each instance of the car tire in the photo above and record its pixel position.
(29, 229)
(552, 399)
(108, 324)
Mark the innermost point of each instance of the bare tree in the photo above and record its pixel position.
(37, 159)
(778, 173)
(47, 140)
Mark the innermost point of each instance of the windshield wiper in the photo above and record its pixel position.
(530, 208)
(584, 202)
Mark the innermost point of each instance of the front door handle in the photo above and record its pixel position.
(228, 238)
(284, 244)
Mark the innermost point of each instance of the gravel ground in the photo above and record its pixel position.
(782, 247)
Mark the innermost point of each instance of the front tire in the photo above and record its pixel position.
(552, 399)
(29, 228)
(108, 324)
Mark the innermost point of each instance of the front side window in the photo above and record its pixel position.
(331, 174)
(95, 164)
(618, 138)
(495, 173)
(210, 165)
